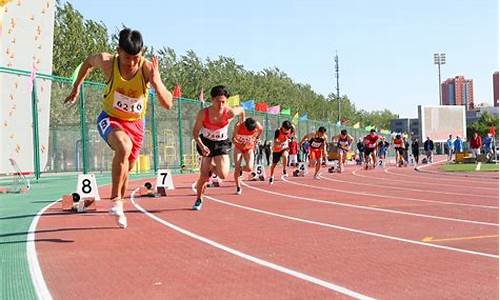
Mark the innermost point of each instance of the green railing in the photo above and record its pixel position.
(74, 144)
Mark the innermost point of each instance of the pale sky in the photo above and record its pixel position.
(385, 47)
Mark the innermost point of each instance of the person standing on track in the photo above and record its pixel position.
(415, 149)
(245, 135)
(281, 147)
(294, 151)
(344, 142)
(399, 148)
(317, 143)
(121, 123)
(370, 142)
(214, 144)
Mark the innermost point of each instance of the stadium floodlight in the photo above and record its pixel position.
(440, 59)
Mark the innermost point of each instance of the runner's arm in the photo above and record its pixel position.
(94, 61)
(164, 96)
(197, 127)
(238, 111)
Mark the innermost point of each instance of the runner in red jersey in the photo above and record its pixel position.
(280, 147)
(317, 142)
(245, 136)
(370, 142)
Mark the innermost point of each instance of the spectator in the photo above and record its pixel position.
(293, 152)
(267, 152)
(451, 147)
(429, 148)
(361, 149)
(259, 152)
(488, 146)
(305, 150)
(475, 144)
(414, 149)
(407, 148)
(458, 146)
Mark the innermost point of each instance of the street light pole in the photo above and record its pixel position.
(440, 59)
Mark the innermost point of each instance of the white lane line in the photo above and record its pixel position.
(478, 167)
(370, 208)
(41, 289)
(436, 183)
(261, 262)
(401, 198)
(369, 233)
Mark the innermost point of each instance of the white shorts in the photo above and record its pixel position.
(292, 158)
(476, 151)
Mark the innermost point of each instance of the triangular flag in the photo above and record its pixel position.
(261, 106)
(355, 125)
(248, 105)
(303, 117)
(177, 92)
(295, 119)
(285, 111)
(273, 110)
(75, 74)
(233, 100)
(201, 97)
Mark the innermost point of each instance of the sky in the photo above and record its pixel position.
(385, 48)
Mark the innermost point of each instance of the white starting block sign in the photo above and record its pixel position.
(261, 172)
(164, 180)
(381, 163)
(86, 187)
(302, 168)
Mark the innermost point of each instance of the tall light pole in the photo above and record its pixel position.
(440, 59)
(338, 90)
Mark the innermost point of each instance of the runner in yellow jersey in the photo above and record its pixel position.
(121, 123)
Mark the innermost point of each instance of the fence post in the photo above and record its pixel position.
(267, 124)
(36, 139)
(154, 132)
(83, 131)
(179, 126)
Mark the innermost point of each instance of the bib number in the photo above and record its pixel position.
(128, 104)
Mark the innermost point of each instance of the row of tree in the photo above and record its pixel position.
(76, 37)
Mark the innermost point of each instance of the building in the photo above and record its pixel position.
(495, 89)
(410, 126)
(473, 115)
(458, 91)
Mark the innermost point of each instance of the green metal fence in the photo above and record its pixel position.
(75, 145)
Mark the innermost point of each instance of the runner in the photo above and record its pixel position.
(294, 151)
(245, 135)
(399, 148)
(344, 142)
(121, 123)
(214, 144)
(370, 142)
(280, 147)
(317, 142)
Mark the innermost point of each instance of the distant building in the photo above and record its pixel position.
(458, 91)
(495, 89)
(410, 126)
(474, 114)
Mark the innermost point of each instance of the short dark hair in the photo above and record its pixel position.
(372, 130)
(130, 41)
(219, 90)
(398, 136)
(343, 131)
(250, 124)
(322, 129)
(286, 124)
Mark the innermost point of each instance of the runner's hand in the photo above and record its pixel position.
(71, 99)
(155, 73)
(204, 150)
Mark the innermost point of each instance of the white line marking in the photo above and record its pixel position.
(354, 230)
(253, 259)
(39, 284)
(399, 198)
(371, 208)
(458, 184)
(478, 167)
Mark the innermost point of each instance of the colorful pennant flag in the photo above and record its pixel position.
(177, 92)
(75, 74)
(355, 125)
(274, 110)
(261, 106)
(248, 105)
(303, 117)
(233, 101)
(295, 119)
(286, 111)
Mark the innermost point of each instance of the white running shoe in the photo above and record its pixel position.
(317, 177)
(238, 190)
(118, 212)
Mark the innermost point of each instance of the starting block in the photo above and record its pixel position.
(214, 181)
(148, 191)
(74, 203)
(301, 170)
(260, 172)
(381, 163)
(334, 166)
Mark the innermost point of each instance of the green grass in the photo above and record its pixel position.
(469, 168)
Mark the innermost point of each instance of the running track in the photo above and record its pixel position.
(393, 234)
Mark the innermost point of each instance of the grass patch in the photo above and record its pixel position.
(469, 167)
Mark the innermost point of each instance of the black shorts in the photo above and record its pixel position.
(277, 156)
(216, 147)
(368, 151)
(401, 151)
